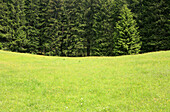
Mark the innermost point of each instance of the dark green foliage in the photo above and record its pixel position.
(75, 45)
(4, 27)
(126, 36)
(84, 27)
(32, 31)
(20, 35)
(54, 33)
(98, 26)
(13, 25)
(42, 24)
(156, 33)
(153, 20)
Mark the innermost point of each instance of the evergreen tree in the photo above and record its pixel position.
(66, 28)
(57, 27)
(74, 41)
(53, 41)
(106, 18)
(4, 33)
(84, 27)
(13, 23)
(154, 25)
(90, 8)
(21, 40)
(42, 25)
(12, 17)
(153, 19)
(127, 39)
(32, 32)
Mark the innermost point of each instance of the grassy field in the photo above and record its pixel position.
(115, 84)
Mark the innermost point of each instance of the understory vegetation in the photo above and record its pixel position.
(36, 83)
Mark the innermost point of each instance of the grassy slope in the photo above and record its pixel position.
(126, 83)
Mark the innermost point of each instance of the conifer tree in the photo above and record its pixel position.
(154, 25)
(105, 21)
(20, 35)
(42, 25)
(4, 33)
(9, 22)
(58, 27)
(32, 32)
(90, 9)
(84, 27)
(74, 40)
(13, 23)
(126, 37)
(153, 19)
(53, 40)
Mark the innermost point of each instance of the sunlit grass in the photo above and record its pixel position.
(126, 83)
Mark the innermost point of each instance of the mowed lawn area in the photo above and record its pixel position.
(31, 83)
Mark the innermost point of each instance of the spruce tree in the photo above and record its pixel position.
(126, 36)
(90, 9)
(20, 35)
(154, 25)
(105, 21)
(32, 32)
(153, 19)
(13, 22)
(75, 40)
(12, 25)
(42, 25)
(54, 26)
(57, 27)
(4, 33)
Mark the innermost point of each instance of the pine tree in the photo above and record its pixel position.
(53, 41)
(66, 28)
(32, 32)
(13, 23)
(154, 26)
(20, 35)
(153, 19)
(89, 8)
(42, 25)
(4, 33)
(105, 21)
(126, 37)
(74, 40)
(57, 28)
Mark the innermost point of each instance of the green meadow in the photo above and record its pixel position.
(33, 83)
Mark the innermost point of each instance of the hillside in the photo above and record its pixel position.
(115, 84)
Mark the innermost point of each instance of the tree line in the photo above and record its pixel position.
(84, 27)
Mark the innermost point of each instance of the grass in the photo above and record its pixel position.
(31, 83)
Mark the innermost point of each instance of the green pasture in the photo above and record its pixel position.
(32, 83)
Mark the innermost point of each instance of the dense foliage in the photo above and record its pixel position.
(84, 27)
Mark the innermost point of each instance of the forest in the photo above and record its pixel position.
(76, 28)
